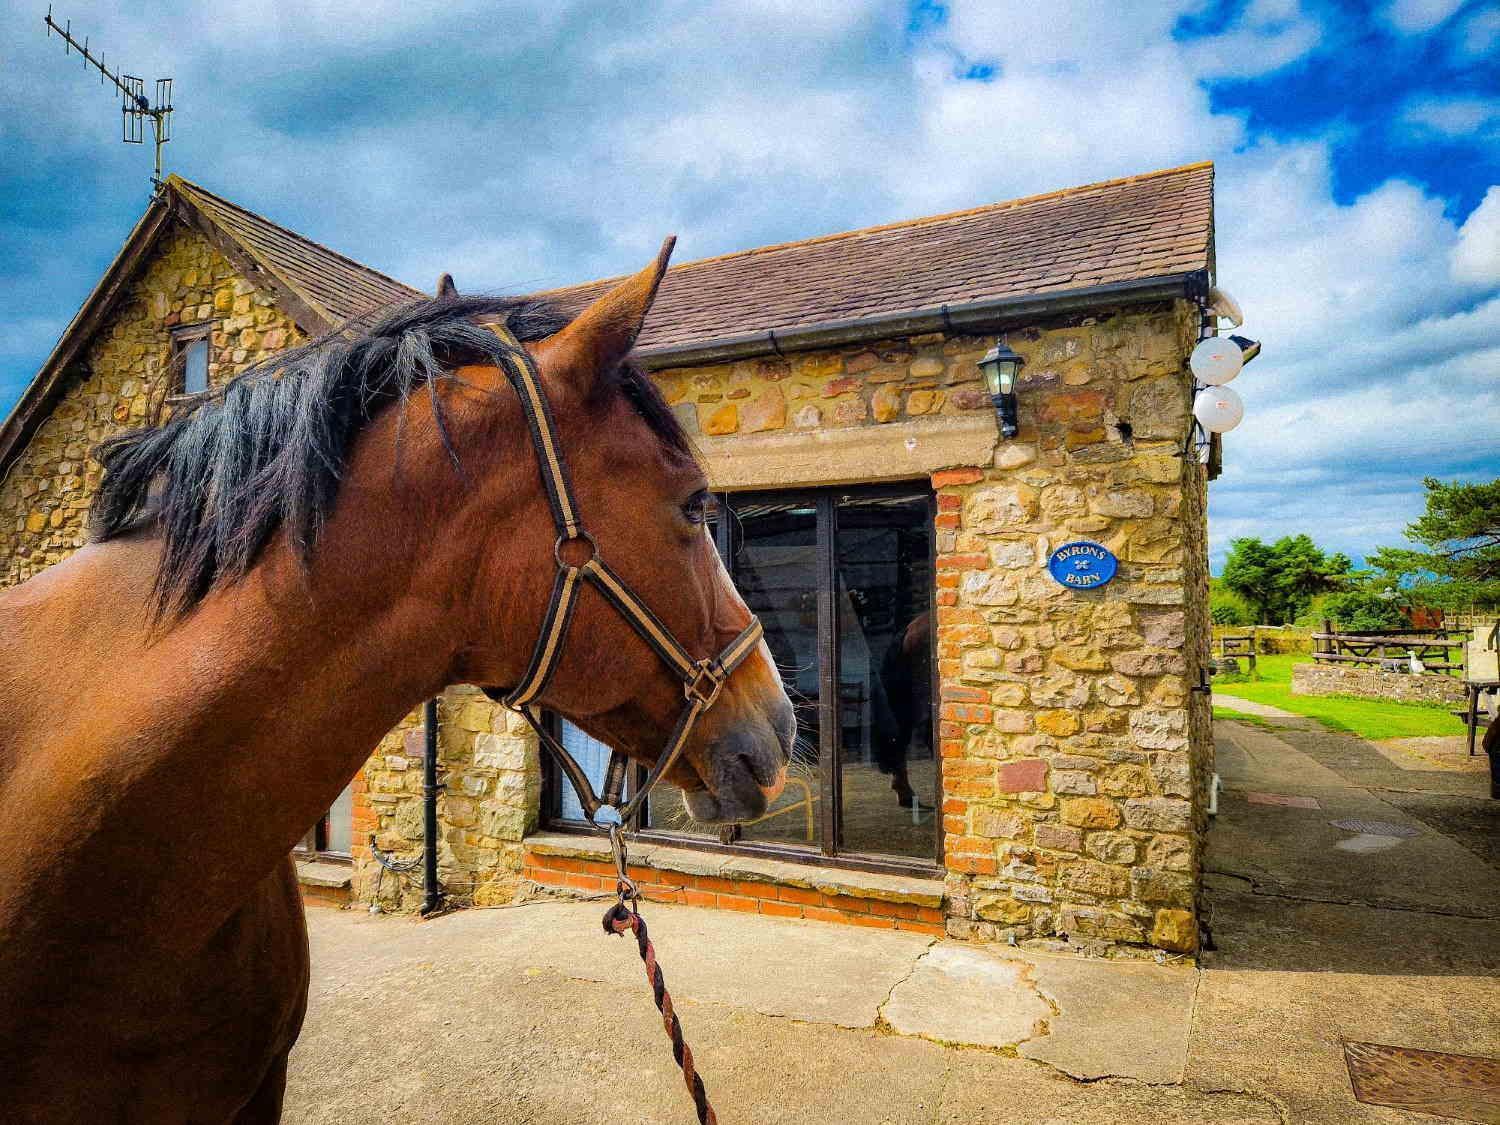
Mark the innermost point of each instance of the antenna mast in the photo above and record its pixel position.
(134, 108)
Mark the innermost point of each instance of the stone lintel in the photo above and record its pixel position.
(850, 455)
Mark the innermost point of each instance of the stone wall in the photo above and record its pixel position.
(122, 378)
(1073, 747)
(1371, 683)
(927, 376)
(490, 776)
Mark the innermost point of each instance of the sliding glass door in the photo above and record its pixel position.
(842, 580)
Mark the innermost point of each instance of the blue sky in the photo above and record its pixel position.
(522, 145)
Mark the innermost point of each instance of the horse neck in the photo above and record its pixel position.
(200, 755)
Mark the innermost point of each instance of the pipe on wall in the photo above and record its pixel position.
(432, 896)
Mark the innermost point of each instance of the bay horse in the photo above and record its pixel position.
(278, 573)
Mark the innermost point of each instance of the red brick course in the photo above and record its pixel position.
(772, 899)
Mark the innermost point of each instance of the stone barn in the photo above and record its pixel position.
(998, 640)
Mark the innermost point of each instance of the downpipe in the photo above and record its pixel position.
(432, 897)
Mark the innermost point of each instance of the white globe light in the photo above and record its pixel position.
(1216, 361)
(1218, 409)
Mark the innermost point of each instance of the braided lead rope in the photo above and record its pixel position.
(617, 920)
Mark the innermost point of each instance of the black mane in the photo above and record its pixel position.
(268, 450)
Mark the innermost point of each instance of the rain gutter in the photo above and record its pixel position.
(973, 316)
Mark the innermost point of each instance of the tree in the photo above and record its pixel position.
(1358, 611)
(1225, 607)
(1457, 562)
(1281, 579)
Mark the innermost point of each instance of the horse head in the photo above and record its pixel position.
(642, 497)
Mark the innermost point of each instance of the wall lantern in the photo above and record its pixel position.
(1000, 366)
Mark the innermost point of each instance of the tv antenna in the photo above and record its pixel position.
(134, 108)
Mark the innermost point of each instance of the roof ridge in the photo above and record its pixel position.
(179, 183)
(922, 221)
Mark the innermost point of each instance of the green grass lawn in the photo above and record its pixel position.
(1369, 718)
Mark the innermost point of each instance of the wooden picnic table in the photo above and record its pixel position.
(1470, 715)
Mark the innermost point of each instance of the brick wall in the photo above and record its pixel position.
(749, 896)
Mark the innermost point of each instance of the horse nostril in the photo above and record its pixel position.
(759, 766)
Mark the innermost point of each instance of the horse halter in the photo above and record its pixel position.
(702, 680)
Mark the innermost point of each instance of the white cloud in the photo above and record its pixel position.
(1452, 117)
(1476, 256)
(1071, 36)
(1416, 16)
(1268, 35)
(1480, 32)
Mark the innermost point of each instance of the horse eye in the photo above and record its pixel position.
(696, 507)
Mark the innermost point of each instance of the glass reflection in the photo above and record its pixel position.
(888, 768)
(774, 552)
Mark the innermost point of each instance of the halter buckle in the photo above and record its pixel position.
(706, 683)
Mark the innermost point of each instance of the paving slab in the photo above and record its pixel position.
(1113, 1018)
(987, 1090)
(1290, 981)
(422, 1048)
(829, 974)
(434, 1022)
(1298, 852)
(1283, 1033)
(1267, 761)
(1448, 752)
(1362, 763)
(968, 994)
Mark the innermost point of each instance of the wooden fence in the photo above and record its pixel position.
(1431, 646)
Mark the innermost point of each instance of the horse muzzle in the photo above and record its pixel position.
(744, 768)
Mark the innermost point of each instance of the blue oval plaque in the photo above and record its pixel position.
(1082, 565)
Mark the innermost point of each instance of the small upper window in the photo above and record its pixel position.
(190, 351)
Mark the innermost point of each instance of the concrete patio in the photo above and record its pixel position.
(530, 1014)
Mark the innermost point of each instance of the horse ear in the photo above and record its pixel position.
(603, 334)
(445, 286)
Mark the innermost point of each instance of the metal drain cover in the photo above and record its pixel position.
(1376, 828)
(1463, 1086)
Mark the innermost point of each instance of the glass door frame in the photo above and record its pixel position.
(829, 851)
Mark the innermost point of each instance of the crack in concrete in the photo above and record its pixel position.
(1260, 891)
(881, 1023)
(1043, 1028)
